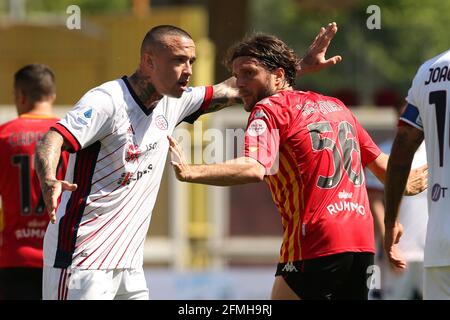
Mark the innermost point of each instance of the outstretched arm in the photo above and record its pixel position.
(237, 171)
(48, 152)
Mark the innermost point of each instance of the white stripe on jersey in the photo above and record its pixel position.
(430, 93)
(112, 224)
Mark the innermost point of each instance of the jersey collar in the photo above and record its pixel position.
(135, 97)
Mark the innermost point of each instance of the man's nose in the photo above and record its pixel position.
(239, 82)
(188, 69)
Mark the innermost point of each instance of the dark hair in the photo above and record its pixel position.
(270, 51)
(36, 81)
(156, 35)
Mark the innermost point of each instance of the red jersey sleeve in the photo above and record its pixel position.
(369, 150)
(262, 139)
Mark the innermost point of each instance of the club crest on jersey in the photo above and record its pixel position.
(257, 127)
(161, 122)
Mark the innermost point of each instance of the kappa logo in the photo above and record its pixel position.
(289, 267)
(161, 122)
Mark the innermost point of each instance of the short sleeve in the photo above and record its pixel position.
(262, 138)
(412, 97)
(90, 120)
(372, 181)
(194, 102)
(369, 150)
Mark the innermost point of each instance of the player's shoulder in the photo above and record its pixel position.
(9, 125)
(103, 98)
(280, 101)
(443, 57)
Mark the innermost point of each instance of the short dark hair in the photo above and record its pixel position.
(36, 81)
(156, 35)
(270, 51)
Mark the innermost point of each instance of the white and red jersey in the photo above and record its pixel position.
(120, 153)
(429, 110)
(314, 150)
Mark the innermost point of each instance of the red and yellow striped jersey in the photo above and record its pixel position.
(314, 151)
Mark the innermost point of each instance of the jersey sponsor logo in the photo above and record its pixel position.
(161, 122)
(30, 233)
(257, 127)
(127, 177)
(345, 195)
(133, 153)
(438, 75)
(346, 206)
(438, 192)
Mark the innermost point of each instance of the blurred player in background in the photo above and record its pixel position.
(117, 136)
(426, 116)
(23, 219)
(402, 284)
(311, 151)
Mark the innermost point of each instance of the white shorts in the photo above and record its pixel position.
(77, 284)
(436, 284)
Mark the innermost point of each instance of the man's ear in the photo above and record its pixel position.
(148, 60)
(279, 76)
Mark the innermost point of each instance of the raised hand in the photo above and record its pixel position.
(315, 60)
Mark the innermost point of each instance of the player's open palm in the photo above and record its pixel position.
(51, 191)
(315, 60)
(178, 160)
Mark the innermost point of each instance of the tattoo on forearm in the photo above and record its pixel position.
(225, 95)
(48, 152)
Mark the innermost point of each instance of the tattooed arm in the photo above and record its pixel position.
(225, 94)
(48, 152)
